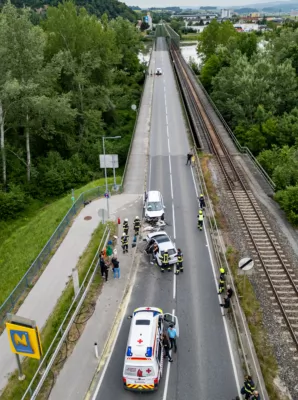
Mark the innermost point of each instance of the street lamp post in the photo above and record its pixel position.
(106, 178)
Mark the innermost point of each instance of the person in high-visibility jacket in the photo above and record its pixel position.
(125, 226)
(164, 258)
(124, 242)
(221, 284)
(248, 387)
(179, 264)
(200, 220)
(136, 225)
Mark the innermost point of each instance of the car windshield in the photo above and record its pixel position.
(170, 251)
(154, 206)
(161, 239)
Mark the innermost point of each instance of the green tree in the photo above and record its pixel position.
(215, 34)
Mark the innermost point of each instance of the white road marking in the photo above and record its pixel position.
(219, 300)
(149, 183)
(174, 227)
(174, 282)
(169, 146)
(165, 393)
(170, 164)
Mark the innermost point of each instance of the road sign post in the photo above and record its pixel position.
(245, 265)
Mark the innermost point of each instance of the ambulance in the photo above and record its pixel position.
(143, 364)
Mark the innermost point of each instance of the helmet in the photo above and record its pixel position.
(228, 287)
(166, 250)
(179, 250)
(137, 217)
(126, 220)
(201, 195)
(222, 271)
(123, 234)
(200, 212)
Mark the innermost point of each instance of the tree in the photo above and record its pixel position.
(210, 69)
(215, 34)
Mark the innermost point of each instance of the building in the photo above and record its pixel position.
(225, 13)
(148, 20)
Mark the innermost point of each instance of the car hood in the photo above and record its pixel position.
(154, 214)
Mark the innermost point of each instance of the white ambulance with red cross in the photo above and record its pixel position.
(143, 362)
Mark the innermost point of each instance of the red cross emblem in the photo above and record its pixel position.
(148, 308)
(140, 341)
(148, 370)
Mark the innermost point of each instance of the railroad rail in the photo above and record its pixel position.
(268, 255)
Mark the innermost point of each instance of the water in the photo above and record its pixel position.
(189, 50)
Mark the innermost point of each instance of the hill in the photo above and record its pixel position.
(113, 8)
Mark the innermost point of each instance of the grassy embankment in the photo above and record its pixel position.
(21, 240)
(15, 389)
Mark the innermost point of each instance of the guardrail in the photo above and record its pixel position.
(54, 348)
(30, 276)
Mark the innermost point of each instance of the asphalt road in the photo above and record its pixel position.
(202, 368)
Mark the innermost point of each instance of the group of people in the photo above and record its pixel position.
(249, 390)
(125, 237)
(168, 339)
(105, 264)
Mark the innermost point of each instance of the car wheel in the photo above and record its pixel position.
(162, 217)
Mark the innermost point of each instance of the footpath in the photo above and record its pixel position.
(73, 381)
(43, 297)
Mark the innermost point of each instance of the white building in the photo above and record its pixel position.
(225, 13)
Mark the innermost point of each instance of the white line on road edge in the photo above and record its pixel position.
(170, 165)
(174, 226)
(174, 282)
(169, 146)
(165, 393)
(149, 184)
(219, 300)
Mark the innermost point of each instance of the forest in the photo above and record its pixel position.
(253, 81)
(62, 87)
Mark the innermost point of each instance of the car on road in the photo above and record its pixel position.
(158, 71)
(154, 206)
(164, 243)
(143, 362)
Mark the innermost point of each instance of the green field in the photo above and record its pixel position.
(22, 240)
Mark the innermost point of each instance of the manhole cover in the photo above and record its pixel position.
(87, 218)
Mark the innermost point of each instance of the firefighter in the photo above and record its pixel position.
(136, 225)
(124, 242)
(202, 202)
(200, 220)
(221, 284)
(248, 387)
(179, 263)
(125, 226)
(164, 258)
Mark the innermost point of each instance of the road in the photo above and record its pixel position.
(202, 368)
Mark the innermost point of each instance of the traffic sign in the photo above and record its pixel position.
(107, 196)
(245, 264)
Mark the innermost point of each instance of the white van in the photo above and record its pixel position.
(154, 207)
(143, 363)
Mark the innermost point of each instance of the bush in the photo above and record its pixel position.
(12, 202)
(288, 200)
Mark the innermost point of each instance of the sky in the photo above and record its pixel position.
(167, 3)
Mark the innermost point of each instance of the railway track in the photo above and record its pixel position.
(269, 258)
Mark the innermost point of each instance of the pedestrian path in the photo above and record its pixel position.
(42, 299)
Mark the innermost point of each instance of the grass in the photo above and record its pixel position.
(15, 389)
(22, 240)
(190, 36)
(254, 317)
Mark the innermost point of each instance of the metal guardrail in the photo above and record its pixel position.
(30, 276)
(50, 356)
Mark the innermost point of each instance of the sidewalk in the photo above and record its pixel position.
(41, 300)
(82, 363)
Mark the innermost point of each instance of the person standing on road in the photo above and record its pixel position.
(166, 345)
(200, 220)
(124, 242)
(125, 226)
(106, 271)
(172, 336)
(179, 264)
(221, 284)
(255, 396)
(102, 264)
(202, 202)
(248, 387)
(116, 267)
(164, 258)
(230, 291)
(189, 155)
(136, 225)
(154, 253)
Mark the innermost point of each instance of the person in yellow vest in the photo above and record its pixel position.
(164, 258)
(200, 220)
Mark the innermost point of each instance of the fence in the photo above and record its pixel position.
(73, 311)
(30, 276)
